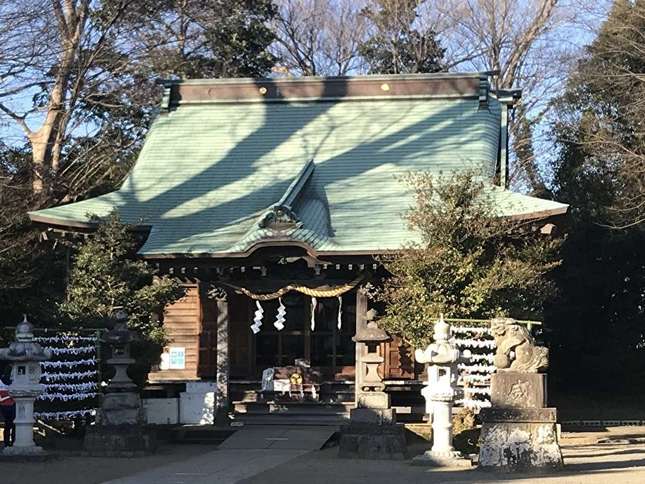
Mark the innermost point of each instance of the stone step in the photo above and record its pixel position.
(256, 396)
(293, 408)
(289, 419)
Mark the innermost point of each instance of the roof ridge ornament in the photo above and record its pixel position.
(280, 218)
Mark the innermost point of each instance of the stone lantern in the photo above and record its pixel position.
(372, 432)
(442, 357)
(119, 430)
(26, 356)
(121, 402)
(370, 392)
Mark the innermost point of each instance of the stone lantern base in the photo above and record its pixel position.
(372, 434)
(442, 459)
(119, 441)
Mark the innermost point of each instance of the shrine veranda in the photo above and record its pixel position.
(272, 201)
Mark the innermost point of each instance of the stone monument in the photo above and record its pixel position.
(518, 432)
(119, 429)
(26, 356)
(372, 432)
(442, 357)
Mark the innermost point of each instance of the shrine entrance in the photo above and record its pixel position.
(324, 343)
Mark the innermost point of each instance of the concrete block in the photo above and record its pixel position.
(201, 386)
(161, 411)
(197, 408)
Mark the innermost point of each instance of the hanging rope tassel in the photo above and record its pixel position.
(314, 303)
(257, 320)
(280, 317)
(340, 312)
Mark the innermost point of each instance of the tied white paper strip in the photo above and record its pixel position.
(73, 351)
(490, 358)
(340, 312)
(314, 303)
(66, 397)
(63, 339)
(479, 368)
(67, 364)
(470, 329)
(473, 343)
(76, 387)
(477, 391)
(65, 415)
(280, 319)
(257, 320)
(75, 375)
(477, 378)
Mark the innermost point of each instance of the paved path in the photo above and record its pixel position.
(248, 452)
(220, 467)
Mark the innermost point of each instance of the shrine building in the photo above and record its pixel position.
(272, 199)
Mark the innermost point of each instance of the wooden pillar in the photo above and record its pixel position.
(361, 310)
(222, 369)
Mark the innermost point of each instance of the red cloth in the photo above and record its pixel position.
(10, 401)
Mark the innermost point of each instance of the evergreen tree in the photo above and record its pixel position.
(106, 274)
(469, 263)
(597, 320)
(396, 44)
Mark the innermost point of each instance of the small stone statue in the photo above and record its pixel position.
(516, 348)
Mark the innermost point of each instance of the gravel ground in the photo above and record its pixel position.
(615, 455)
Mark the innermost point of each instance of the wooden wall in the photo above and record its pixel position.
(183, 321)
(399, 361)
(191, 321)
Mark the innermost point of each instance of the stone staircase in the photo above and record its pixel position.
(251, 407)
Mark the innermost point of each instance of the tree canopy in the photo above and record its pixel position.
(396, 44)
(105, 275)
(469, 263)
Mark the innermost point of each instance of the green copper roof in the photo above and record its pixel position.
(209, 173)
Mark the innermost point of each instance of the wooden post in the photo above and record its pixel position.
(221, 415)
(361, 310)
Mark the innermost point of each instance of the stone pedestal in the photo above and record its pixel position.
(24, 444)
(519, 432)
(372, 434)
(121, 409)
(514, 389)
(119, 441)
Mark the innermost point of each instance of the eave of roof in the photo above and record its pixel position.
(207, 174)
